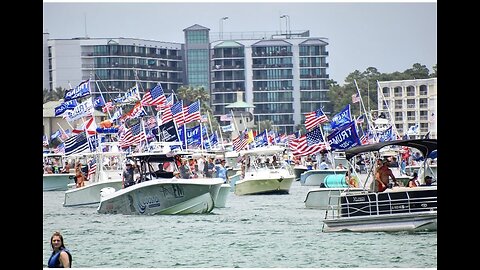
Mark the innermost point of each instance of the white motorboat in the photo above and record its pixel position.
(262, 177)
(317, 177)
(156, 192)
(395, 209)
(328, 193)
(55, 180)
(108, 173)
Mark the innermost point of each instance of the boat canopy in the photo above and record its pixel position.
(425, 146)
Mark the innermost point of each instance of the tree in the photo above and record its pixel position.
(53, 95)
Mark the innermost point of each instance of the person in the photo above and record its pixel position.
(176, 175)
(61, 256)
(350, 179)
(66, 168)
(128, 175)
(413, 182)
(221, 172)
(428, 181)
(79, 176)
(185, 169)
(323, 165)
(383, 174)
(340, 166)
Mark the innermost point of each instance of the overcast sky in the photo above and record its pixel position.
(388, 36)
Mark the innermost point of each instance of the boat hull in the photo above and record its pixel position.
(166, 197)
(89, 194)
(264, 186)
(385, 223)
(397, 209)
(57, 182)
(323, 198)
(221, 199)
(317, 177)
(298, 170)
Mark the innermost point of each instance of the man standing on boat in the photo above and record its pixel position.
(382, 175)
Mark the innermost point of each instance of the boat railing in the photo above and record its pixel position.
(384, 203)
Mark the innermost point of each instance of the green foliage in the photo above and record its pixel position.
(341, 95)
(53, 95)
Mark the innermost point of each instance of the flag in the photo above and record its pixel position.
(152, 122)
(193, 112)
(155, 97)
(300, 147)
(314, 118)
(239, 143)
(92, 168)
(177, 112)
(360, 119)
(166, 114)
(314, 137)
(76, 144)
(355, 98)
(45, 141)
(59, 149)
(133, 136)
(108, 107)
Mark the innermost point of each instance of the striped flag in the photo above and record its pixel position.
(177, 112)
(92, 168)
(300, 147)
(132, 136)
(76, 144)
(155, 97)
(193, 112)
(315, 118)
(239, 143)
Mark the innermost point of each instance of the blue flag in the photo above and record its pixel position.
(344, 138)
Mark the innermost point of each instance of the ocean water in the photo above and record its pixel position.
(262, 231)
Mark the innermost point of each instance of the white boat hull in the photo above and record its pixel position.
(317, 177)
(264, 186)
(90, 193)
(221, 199)
(323, 198)
(385, 223)
(57, 181)
(163, 196)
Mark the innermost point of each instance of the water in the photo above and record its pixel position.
(251, 232)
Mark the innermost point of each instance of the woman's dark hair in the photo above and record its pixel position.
(61, 239)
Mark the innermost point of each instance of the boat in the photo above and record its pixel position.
(317, 177)
(54, 180)
(262, 177)
(157, 192)
(395, 209)
(221, 199)
(108, 173)
(321, 197)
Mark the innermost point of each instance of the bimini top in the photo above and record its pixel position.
(426, 146)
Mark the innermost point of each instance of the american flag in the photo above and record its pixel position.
(166, 115)
(168, 103)
(92, 168)
(314, 137)
(355, 98)
(360, 119)
(300, 147)
(132, 136)
(59, 149)
(314, 118)
(239, 143)
(193, 112)
(177, 112)
(155, 97)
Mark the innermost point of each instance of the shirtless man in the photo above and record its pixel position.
(382, 175)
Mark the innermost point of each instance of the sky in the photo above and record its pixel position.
(390, 36)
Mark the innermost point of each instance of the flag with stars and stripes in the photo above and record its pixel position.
(155, 97)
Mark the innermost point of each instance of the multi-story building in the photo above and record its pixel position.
(113, 65)
(410, 103)
(282, 76)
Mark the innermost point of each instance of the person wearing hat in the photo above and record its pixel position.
(127, 176)
(176, 175)
(383, 175)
